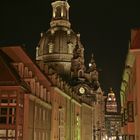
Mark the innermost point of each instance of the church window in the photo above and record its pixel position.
(51, 46)
(70, 48)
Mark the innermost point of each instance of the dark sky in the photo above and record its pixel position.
(104, 27)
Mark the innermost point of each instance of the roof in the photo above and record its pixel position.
(17, 54)
(8, 75)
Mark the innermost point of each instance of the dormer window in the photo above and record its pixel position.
(51, 46)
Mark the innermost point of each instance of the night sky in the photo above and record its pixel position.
(104, 27)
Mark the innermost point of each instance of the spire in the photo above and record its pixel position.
(92, 64)
(60, 13)
(111, 90)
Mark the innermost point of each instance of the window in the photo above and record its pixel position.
(2, 133)
(7, 133)
(11, 133)
(58, 12)
(77, 127)
(3, 115)
(131, 137)
(130, 111)
(125, 116)
(61, 122)
(8, 104)
(64, 12)
(44, 114)
(70, 48)
(7, 115)
(51, 46)
(4, 101)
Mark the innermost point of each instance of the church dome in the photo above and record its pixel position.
(56, 45)
(56, 41)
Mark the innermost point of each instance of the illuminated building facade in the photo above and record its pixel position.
(25, 109)
(111, 104)
(61, 49)
(112, 116)
(54, 97)
(130, 90)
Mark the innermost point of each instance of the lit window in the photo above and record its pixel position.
(70, 47)
(11, 133)
(2, 133)
(51, 47)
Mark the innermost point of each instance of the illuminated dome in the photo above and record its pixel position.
(56, 45)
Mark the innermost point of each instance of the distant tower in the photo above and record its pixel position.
(111, 104)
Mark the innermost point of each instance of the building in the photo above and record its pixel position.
(130, 90)
(55, 96)
(99, 130)
(61, 49)
(112, 117)
(111, 104)
(25, 109)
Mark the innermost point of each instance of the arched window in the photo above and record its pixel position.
(58, 12)
(64, 12)
(70, 47)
